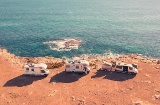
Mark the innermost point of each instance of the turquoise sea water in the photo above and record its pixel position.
(121, 26)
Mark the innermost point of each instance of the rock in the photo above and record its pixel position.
(8, 102)
(53, 82)
(122, 90)
(138, 102)
(49, 95)
(157, 90)
(130, 88)
(148, 82)
(147, 75)
(158, 62)
(73, 98)
(82, 101)
(157, 97)
(55, 91)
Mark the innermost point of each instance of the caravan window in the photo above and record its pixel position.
(42, 71)
(77, 67)
(119, 67)
(84, 64)
(67, 66)
(27, 69)
(32, 69)
(130, 68)
(113, 65)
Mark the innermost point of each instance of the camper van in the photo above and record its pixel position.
(126, 68)
(36, 69)
(120, 67)
(77, 66)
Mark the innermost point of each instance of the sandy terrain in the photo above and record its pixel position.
(96, 88)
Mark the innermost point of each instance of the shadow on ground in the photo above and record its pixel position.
(22, 80)
(66, 77)
(112, 75)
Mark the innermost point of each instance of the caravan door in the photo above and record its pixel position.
(77, 68)
(32, 71)
(73, 68)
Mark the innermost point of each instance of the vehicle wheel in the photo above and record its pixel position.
(129, 73)
(45, 75)
(88, 72)
(102, 69)
(124, 72)
(117, 71)
(133, 73)
(25, 74)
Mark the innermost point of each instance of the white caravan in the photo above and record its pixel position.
(36, 69)
(77, 66)
(120, 67)
(106, 66)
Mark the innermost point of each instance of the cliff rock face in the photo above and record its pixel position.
(50, 61)
(20, 61)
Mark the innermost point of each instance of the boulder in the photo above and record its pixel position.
(158, 62)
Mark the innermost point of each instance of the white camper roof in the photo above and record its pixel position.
(124, 64)
(107, 63)
(36, 65)
(77, 62)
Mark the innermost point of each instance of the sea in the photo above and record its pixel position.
(117, 26)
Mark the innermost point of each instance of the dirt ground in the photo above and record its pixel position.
(96, 88)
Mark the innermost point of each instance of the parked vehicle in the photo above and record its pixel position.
(126, 68)
(106, 66)
(36, 69)
(77, 66)
(120, 67)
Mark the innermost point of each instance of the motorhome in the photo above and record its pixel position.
(126, 68)
(120, 67)
(77, 66)
(36, 69)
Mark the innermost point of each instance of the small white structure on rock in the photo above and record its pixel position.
(77, 66)
(36, 69)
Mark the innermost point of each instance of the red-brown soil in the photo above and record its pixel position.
(96, 88)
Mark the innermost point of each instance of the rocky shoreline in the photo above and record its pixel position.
(17, 60)
(57, 62)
